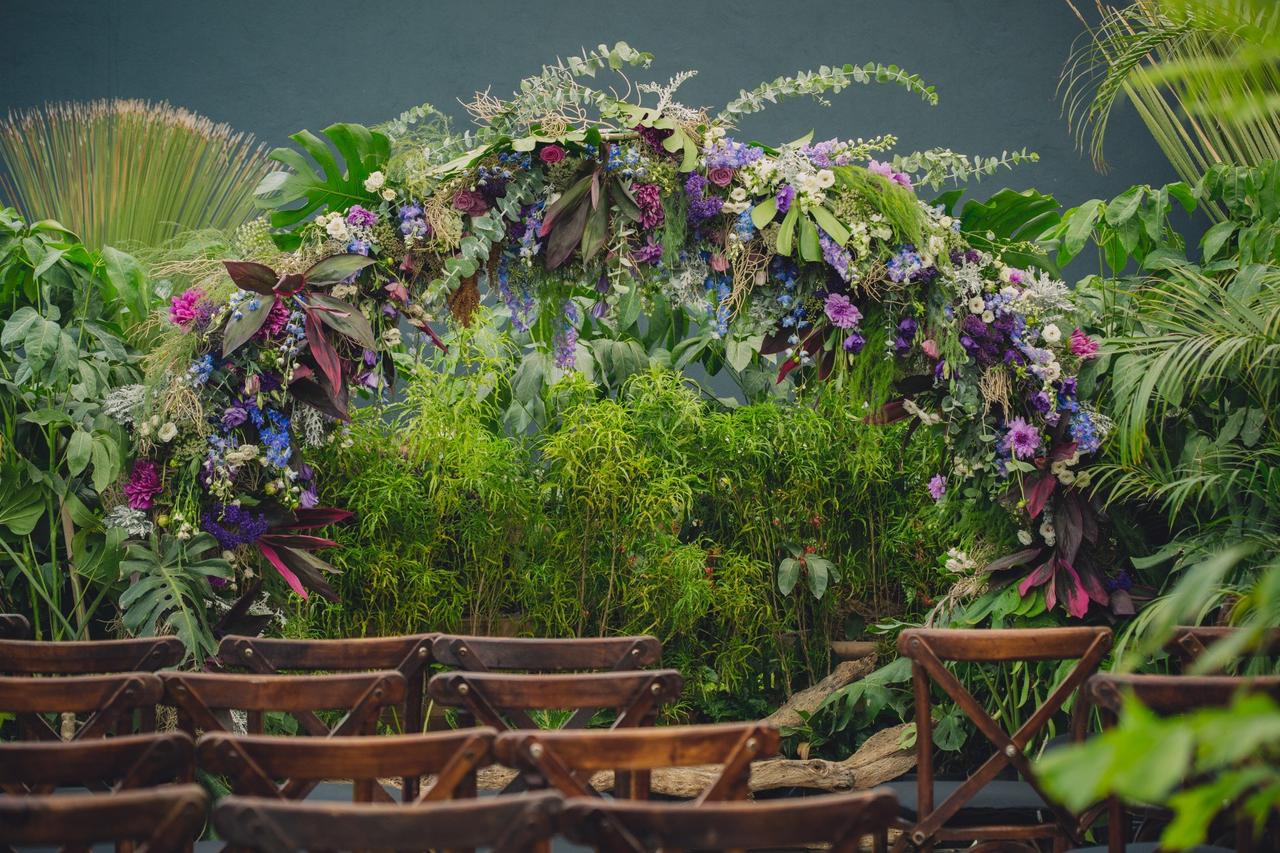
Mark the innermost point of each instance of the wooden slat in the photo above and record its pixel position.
(546, 655)
(169, 756)
(167, 817)
(984, 645)
(1174, 694)
(638, 748)
(530, 692)
(358, 654)
(289, 693)
(38, 657)
(77, 693)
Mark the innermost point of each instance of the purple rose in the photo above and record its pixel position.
(720, 176)
(551, 154)
(854, 343)
(470, 202)
(234, 416)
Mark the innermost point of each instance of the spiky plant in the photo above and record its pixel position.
(128, 173)
(1202, 74)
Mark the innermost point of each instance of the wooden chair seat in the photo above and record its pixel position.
(161, 820)
(838, 820)
(501, 824)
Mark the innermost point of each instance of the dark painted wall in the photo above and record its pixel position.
(272, 67)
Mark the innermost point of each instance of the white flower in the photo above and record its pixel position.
(337, 229)
(945, 221)
(738, 194)
(1024, 536)
(243, 453)
(988, 317)
(1006, 274)
(1047, 532)
(826, 178)
(1052, 371)
(391, 337)
(1066, 476)
(1082, 479)
(1052, 334)
(374, 182)
(167, 432)
(388, 194)
(1058, 467)
(977, 305)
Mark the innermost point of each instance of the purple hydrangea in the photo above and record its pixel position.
(360, 217)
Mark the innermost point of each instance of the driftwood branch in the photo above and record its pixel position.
(880, 759)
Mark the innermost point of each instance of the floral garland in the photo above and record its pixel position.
(569, 221)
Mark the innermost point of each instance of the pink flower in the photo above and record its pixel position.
(841, 312)
(470, 202)
(937, 487)
(397, 291)
(143, 485)
(719, 263)
(277, 319)
(930, 348)
(720, 176)
(886, 171)
(1022, 440)
(360, 217)
(551, 154)
(649, 200)
(182, 308)
(1083, 346)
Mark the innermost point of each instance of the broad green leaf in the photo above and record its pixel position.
(786, 233)
(41, 343)
(335, 268)
(764, 212)
(788, 575)
(828, 222)
(245, 322)
(78, 451)
(810, 247)
(21, 509)
(17, 326)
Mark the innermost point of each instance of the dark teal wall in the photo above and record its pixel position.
(272, 67)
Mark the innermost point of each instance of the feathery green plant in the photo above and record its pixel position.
(128, 173)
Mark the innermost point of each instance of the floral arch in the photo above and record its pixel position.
(581, 210)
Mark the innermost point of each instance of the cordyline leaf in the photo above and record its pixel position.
(570, 197)
(290, 284)
(304, 566)
(889, 413)
(1069, 584)
(300, 541)
(567, 235)
(624, 200)
(596, 232)
(1017, 558)
(322, 350)
(273, 557)
(1038, 494)
(313, 389)
(1063, 451)
(431, 333)
(247, 325)
(343, 318)
(787, 366)
(258, 278)
(1038, 576)
(1069, 530)
(335, 268)
(318, 516)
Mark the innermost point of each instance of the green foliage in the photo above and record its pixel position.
(1199, 764)
(128, 173)
(647, 509)
(61, 353)
(168, 594)
(816, 84)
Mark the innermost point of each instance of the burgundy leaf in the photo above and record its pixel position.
(431, 333)
(248, 275)
(290, 284)
(318, 516)
(344, 318)
(787, 366)
(318, 393)
(1062, 451)
(1077, 599)
(1068, 529)
(889, 413)
(273, 557)
(299, 541)
(1038, 576)
(322, 350)
(1038, 494)
(1122, 603)
(1017, 558)
(567, 235)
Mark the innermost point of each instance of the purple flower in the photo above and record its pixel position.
(887, 171)
(785, 196)
(1022, 440)
(566, 340)
(182, 308)
(836, 256)
(360, 217)
(841, 312)
(854, 343)
(1041, 402)
(233, 525)
(233, 417)
(649, 253)
(649, 200)
(143, 485)
(721, 176)
(937, 487)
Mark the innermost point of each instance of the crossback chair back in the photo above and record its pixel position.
(586, 654)
(501, 824)
(160, 819)
(113, 764)
(1167, 695)
(628, 826)
(1189, 642)
(14, 626)
(107, 702)
(567, 760)
(928, 649)
(254, 764)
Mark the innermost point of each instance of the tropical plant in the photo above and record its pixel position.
(170, 577)
(128, 173)
(62, 364)
(1202, 74)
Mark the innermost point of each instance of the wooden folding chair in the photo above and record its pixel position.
(981, 807)
(109, 701)
(500, 824)
(567, 759)
(1189, 642)
(85, 657)
(113, 764)
(161, 820)
(586, 654)
(1167, 695)
(627, 826)
(14, 626)
(253, 764)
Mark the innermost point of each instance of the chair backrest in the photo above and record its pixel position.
(839, 820)
(929, 648)
(85, 657)
(108, 700)
(587, 654)
(567, 759)
(280, 767)
(504, 701)
(14, 626)
(501, 824)
(117, 764)
(1167, 695)
(1189, 642)
(161, 819)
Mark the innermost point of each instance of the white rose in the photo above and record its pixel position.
(374, 182)
(738, 194)
(337, 229)
(167, 432)
(826, 178)
(388, 194)
(1052, 371)
(1024, 536)
(1052, 334)
(977, 305)
(1047, 533)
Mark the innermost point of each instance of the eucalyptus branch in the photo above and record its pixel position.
(816, 84)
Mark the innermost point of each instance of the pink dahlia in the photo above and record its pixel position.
(1083, 345)
(649, 200)
(841, 312)
(143, 485)
(182, 308)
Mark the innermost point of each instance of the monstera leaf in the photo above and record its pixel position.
(295, 194)
(172, 582)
